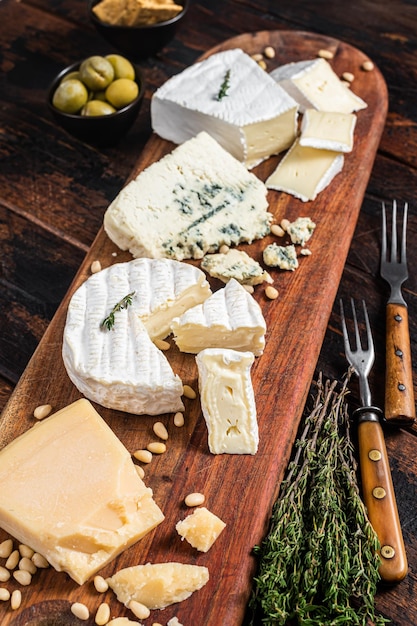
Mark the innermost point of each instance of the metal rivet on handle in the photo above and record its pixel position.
(398, 318)
(379, 493)
(398, 352)
(387, 552)
(401, 387)
(375, 455)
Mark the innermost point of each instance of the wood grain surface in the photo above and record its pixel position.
(240, 489)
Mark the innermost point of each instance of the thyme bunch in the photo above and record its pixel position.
(319, 563)
(109, 321)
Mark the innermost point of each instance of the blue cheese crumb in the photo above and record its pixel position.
(301, 230)
(235, 264)
(283, 257)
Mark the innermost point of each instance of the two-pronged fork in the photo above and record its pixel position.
(377, 488)
(399, 394)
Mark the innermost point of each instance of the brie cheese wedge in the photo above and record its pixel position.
(328, 130)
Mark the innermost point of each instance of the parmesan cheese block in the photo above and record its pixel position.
(71, 491)
(328, 130)
(228, 401)
(305, 172)
(121, 368)
(235, 264)
(190, 202)
(157, 585)
(230, 318)
(232, 98)
(201, 529)
(314, 84)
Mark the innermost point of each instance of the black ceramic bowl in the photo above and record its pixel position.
(139, 42)
(102, 130)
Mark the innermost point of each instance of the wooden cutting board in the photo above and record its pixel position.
(239, 489)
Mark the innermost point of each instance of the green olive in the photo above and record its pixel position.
(122, 67)
(71, 75)
(97, 107)
(121, 92)
(70, 96)
(96, 72)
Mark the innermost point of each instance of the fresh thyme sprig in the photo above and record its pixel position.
(319, 562)
(109, 321)
(224, 86)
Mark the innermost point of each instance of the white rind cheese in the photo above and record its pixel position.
(230, 318)
(254, 119)
(305, 172)
(121, 368)
(190, 202)
(328, 130)
(228, 401)
(314, 84)
(235, 264)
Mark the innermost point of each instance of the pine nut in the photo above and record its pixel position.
(42, 411)
(140, 471)
(305, 252)
(249, 288)
(102, 614)
(277, 230)
(194, 499)
(156, 624)
(4, 594)
(16, 599)
(26, 551)
(6, 548)
(271, 292)
(4, 574)
(13, 559)
(95, 267)
(139, 610)
(22, 576)
(325, 54)
(80, 610)
(257, 57)
(40, 561)
(368, 66)
(269, 52)
(161, 344)
(156, 447)
(100, 584)
(27, 565)
(179, 419)
(348, 76)
(262, 64)
(224, 249)
(189, 392)
(143, 455)
(160, 430)
(285, 223)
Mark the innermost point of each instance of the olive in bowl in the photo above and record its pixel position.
(97, 99)
(138, 42)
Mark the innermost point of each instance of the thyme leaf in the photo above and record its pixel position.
(224, 86)
(109, 321)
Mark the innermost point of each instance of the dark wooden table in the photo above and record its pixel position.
(53, 188)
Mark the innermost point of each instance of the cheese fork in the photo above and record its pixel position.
(399, 393)
(377, 487)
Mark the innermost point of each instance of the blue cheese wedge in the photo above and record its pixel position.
(232, 98)
(230, 318)
(282, 257)
(122, 368)
(235, 264)
(328, 130)
(300, 230)
(228, 400)
(314, 84)
(305, 172)
(190, 202)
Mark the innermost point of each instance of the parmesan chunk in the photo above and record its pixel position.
(201, 529)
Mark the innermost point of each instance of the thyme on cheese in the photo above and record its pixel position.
(224, 86)
(319, 562)
(109, 321)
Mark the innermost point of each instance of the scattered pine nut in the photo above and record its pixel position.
(16, 599)
(194, 499)
(13, 560)
(269, 52)
(140, 471)
(22, 576)
(42, 411)
(139, 610)
(285, 223)
(305, 252)
(103, 614)
(80, 610)
(40, 560)
(95, 267)
(6, 548)
(348, 77)
(4, 594)
(249, 288)
(262, 64)
(156, 447)
(325, 54)
(4, 574)
(161, 344)
(271, 292)
(100, 584)
(257, 57)
(224, 249)
(189, 392)
(160, 430)
(156, 624)
(179, 419)
(367, 66)
(277, 230)
(143, 455)
(26, 551)
(27, 565)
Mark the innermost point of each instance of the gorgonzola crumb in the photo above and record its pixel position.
(283, 257)
(301, 230)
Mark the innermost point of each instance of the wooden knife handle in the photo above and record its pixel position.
(379, 499)
(399, 392)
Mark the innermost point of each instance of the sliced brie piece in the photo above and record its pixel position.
(283, 257)
(328, 130)
(201, 529)
(314, 84)
(191, 202)
(305, 172)
(230, 318)
(228, 401)
(254, 119)
(235, 264)
(121, 368)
